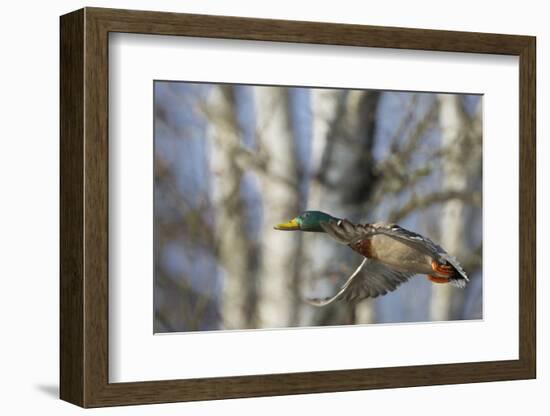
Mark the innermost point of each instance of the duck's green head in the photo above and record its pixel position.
(306, 221)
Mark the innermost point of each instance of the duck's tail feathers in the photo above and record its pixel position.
(458, 278)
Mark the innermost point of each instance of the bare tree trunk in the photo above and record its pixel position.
(454, 129)
(472, 303)
(233, 246)
(281, 203)
(317, 249)
(342, 185)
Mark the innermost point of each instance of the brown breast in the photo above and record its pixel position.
(363, 247)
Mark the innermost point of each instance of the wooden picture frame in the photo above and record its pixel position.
(84, 207)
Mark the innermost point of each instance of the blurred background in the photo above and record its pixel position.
(232, 161)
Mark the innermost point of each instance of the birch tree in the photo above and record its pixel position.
(453, 124)
(233, 246)
(279, 178)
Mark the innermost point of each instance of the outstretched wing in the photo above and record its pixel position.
(347, 233)
(369, 280)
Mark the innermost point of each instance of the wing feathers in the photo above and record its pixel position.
(342, 231)
(374, 280)
(328, 300)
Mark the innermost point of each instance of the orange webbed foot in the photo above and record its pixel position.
(442, 269)
(437, 279)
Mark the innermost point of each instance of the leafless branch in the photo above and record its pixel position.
(417, 202)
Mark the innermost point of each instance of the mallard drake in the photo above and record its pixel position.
(392, 256)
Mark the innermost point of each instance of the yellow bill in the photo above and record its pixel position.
(288, 226)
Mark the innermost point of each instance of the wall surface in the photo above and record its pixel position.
(29, 210)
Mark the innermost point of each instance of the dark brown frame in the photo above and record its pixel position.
(84, 208)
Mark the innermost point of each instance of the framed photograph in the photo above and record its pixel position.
(255, 207)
